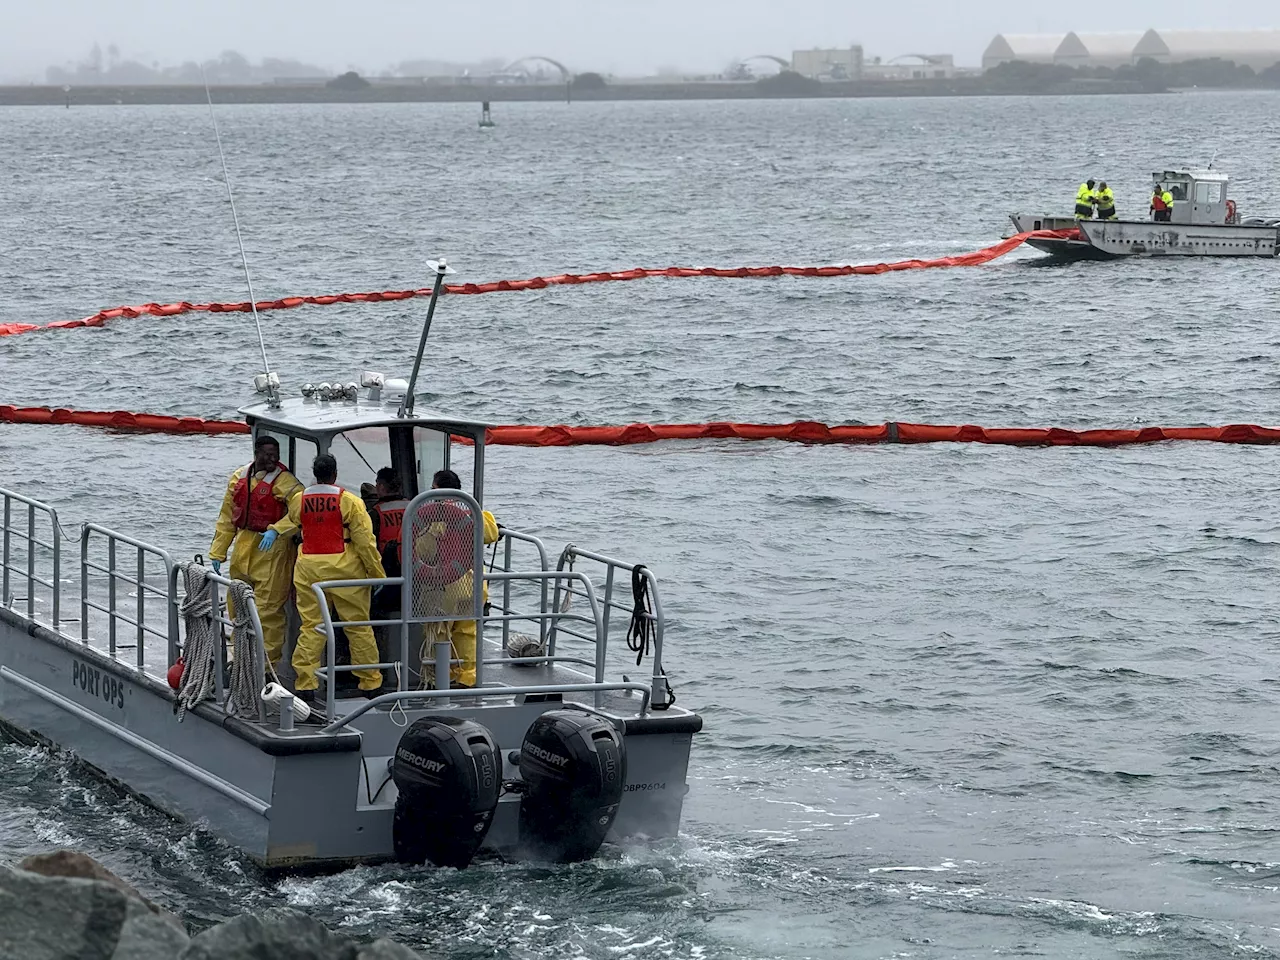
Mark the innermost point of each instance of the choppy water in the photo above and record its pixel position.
(960, 701)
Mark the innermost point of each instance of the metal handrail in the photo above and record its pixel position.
(572, 552)
(170, 592)
(509, 537)
(34, 507)
(485, 692)
(328, 624)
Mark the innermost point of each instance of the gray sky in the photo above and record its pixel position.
(620, 36)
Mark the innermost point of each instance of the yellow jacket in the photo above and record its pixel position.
(360, 560)
(286, 487)
(456, 588)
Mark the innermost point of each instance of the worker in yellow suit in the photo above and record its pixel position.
(1085, 200)
(258, 496)
(337, 544)
(443, 557)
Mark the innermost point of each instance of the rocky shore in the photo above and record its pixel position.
(67, 906)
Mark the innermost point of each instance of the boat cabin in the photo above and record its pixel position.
(366, 432)
(1199, 196)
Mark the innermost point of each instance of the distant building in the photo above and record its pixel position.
(829, 64)
(1096, 49)
(931, 66)
(1027, 47)
(1258, 49)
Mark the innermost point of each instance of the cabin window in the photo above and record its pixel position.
(1208, 193)
(303, 454)
(360, 454)
(1178, 191)
(431, 447)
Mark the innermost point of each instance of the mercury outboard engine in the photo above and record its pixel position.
(449, 774)
(574, 766)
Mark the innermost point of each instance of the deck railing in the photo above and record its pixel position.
(31, 555)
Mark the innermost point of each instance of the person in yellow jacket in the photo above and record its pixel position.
(1105, 201)
(442, 550)
(337, 544)
(1084, 200)
(258, 496)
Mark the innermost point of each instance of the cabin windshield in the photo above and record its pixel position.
(361, 454)
(431, 448)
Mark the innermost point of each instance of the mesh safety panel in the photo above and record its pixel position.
(440, 546)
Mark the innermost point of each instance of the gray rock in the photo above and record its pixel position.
(386, 950)
(279, 934)
(285, 934)
(69, 863)
(53, 918)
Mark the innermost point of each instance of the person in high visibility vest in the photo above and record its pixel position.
(1161, 204)
(1105, 201)
(1084, 200)
(442, 562)
(258, 495)
(337, 544)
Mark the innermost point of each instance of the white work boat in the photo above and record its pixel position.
(548, 756)
(1204, 222)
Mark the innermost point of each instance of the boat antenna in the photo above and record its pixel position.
(1213, 158)
(441, 269)
(268, 383)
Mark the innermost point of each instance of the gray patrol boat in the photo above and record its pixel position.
(560, 745)
(1203, 223)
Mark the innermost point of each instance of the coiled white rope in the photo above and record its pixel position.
(246, 670)
(201, 650)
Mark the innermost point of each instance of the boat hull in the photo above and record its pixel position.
(298, 800)
(1110, 239)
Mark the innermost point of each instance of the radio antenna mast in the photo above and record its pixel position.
(270, 381)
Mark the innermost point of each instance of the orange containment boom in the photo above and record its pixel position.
(973, 259)
(802, 431)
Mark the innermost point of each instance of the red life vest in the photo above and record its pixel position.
(390, 522)
(1157, 202)
(258, 508)
(323, 530)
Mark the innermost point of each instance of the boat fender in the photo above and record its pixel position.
(175, 673)
(574, 765)
(449, 774)
(272, 694)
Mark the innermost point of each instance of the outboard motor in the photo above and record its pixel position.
(449, 774)
(574, 766)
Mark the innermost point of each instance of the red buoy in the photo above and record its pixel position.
(176, 672)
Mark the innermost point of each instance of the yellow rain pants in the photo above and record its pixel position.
(358, 561)
(269, 572)
(455, 597)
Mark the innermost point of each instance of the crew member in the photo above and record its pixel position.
(337, 544)
(1105, 201)
(1158, 206)
(1084, 200)
(442, 568)
(387, 514)
(257, 497)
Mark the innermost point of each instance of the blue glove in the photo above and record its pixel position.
(217, 565)
(267, 540)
